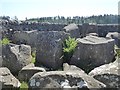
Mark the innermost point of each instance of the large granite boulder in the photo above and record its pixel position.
(63, 79)
(73, 30)
(115, 36)
(25, 37)
(7, 80)
(15, 57)
(49, 48)
(108, 74)
(93, 51)
(28, 71)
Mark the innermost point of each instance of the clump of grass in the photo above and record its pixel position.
(5, 41)
(69, 45)
(33, 57)
(68, 48)
(33, 60)
(24, 86)
(33, 54)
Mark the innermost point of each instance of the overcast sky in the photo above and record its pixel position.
(43, 8)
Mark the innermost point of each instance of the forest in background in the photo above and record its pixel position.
(99, 19)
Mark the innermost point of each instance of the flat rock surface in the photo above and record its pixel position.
(94, 40)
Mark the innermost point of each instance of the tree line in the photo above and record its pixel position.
(100, 19)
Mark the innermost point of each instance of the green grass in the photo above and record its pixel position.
(24, 86)
(69, 45)
(117, 50)
(68, 48)
(33, 60)
(118, 53)
(33, 57)
(5, 41)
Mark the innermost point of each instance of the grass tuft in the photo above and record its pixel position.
(24, 86)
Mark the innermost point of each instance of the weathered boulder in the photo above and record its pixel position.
(7, 80)
(115, 36)
(25, 37)
(15, 57)
(87, 28)
(73, 30)
(108, 74)
(67, 67)
(102, 30)
(49, 48)
(28, 71)
(63, 79)
(93, 51)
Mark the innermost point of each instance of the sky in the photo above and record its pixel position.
(46, 8)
